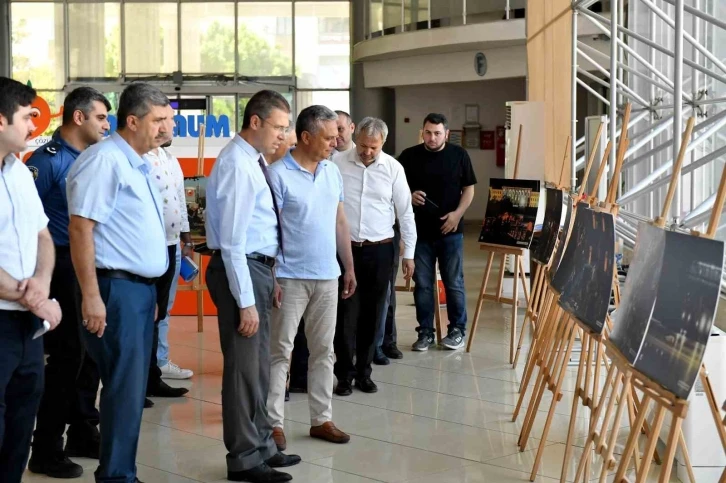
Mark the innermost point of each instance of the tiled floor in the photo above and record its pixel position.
(438, 417)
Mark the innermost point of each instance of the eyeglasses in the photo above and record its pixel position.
(280, 129)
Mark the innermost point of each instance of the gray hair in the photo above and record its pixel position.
(137, 100)
(310, 119)
(372, 126)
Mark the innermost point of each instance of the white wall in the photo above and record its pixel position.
(442, 68)
(415, 102)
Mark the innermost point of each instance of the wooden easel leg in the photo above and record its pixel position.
(608, 456)
(715, 411)
(630, 446)
(515, 299)
(580, 395)
(523, 278)
(650, 445)
(543, 321)
(548, 422)
(686, 457)
(500, 280)
(670, 452)
(529, 314)
(480, 302)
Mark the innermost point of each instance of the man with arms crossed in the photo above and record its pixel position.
(244, 234)
(71, 378)
(309, 192)
(442, 181)
(26, 265)
(118, 246)
(375, 190)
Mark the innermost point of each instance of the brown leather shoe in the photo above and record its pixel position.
(279, 436)
(329, 432)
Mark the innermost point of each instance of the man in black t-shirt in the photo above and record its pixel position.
(442, 182)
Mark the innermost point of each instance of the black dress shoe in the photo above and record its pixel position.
(366, 385)
(282, 460)
(380, 358)
(391, 351)
(287, 395)
(165, 390)
(259, 474)
(148, 403)
(344, 388)
(83, 448)
(55, 466)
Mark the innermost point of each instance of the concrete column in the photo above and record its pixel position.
(5, 61)
(378, 102)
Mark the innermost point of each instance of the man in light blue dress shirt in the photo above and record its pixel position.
(244, 234)
(118, 246)
(26, 265)
(309, 192)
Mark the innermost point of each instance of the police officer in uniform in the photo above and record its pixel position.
(26, 266)
(71, 379)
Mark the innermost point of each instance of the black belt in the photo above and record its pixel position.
(366, 243)
(124, 275)
(257, 257)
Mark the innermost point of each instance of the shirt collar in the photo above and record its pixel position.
(291, 164)
(247, 147)
(8, 161)
(134, 159)
(59, 139)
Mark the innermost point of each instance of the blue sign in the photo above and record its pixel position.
(189, 126)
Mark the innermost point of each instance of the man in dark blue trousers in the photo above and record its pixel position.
(26, 265)
(71, 382)
(118, 247)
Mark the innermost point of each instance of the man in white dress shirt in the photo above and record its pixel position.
(376, 193)
(26, 265)
(344, 140)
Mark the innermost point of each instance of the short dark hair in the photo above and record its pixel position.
(14, 95)
(435, 118)
(262, 104)
(82, 99)
(310, 118)
(344, 114)
(137, 100)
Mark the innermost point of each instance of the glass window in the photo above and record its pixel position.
(224, 106)
(322, 45)
(208, 40)
(392, 14)
(152, 38)
(94, 40)
(265, 39)
(415, 12)
(37, 44)
(375, 20)
(335, 100)
(244, 100)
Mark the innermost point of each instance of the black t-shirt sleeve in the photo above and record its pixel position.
(468, 178)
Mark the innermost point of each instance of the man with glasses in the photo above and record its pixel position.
(245, 236)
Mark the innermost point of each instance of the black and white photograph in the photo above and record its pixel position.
(684, 311)
(511, 212)
(639, 294)
(553, 219)
(587, 288)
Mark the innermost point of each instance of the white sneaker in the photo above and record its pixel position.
(172, 371)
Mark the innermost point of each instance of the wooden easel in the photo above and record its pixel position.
(538, 284)
(664, 401)
(555, 356)
(197, 285)
(519, 274)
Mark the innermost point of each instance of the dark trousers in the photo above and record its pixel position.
(386, 334)
(299, 359)
(122, 356)
(163, 289)
(359, 316)
(449, 251)
(71, 377)
(21, 387)
(246, 376)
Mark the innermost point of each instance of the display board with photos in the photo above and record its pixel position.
(511, 212)
(585, 276)
(669, 306)
(195, 193)
(554, 217)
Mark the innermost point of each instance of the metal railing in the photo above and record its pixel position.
(388, 17)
